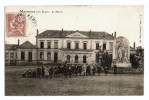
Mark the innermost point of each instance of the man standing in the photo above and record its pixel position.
(42, 70)
(38, 72)
(106, 70)
(115, 69)
(69, 71)
(93, 70)
(84, 69)
(76, 70)
(79, 69)
(46, 71)
(65, 70)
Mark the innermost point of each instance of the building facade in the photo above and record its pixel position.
(75, 47)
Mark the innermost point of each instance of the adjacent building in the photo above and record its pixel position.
(26, 54)
(10, 54)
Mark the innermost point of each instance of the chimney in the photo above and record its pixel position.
(115, 34)
(90, 33)
(37, 38)
(62, 29)
(37, 32)
(134, 45)
(112, 34)
(18, 42)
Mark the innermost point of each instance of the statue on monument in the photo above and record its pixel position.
(122, 52)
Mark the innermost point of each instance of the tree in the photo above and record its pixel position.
(137, 59)
(106, 59)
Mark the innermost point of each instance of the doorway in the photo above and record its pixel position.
(84, 59)
(55, 57)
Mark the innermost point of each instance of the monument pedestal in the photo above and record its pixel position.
(125, 65)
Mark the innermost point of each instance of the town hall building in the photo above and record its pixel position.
(59, 46)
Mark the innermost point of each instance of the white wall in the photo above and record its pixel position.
(62, 43)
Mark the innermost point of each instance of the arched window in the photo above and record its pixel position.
(76, 59)
(68, 58)
(49, 56)
(84, 59)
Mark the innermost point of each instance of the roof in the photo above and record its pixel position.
(27, 45)
(63, 34)
(11, 46)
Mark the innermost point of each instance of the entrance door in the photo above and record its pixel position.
(29, 56)
(55, 57)
(84, 59)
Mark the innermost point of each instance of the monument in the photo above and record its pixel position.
(121, 52)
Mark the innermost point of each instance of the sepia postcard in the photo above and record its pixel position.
(74, 50)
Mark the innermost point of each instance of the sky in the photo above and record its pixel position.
(125, 20)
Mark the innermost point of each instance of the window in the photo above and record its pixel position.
(55, 45)
(111, 45)
(22, 55)
(48, 55)
(41, 55)
(68, 45)
(84, 45)
(6, 61)
(68, 58)
(77, 45)
(97, 46)
(11, 56)
(49, 45)
(41, 44)
(84, 59)
(104, 46)
(76, 59)
(6, 55)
